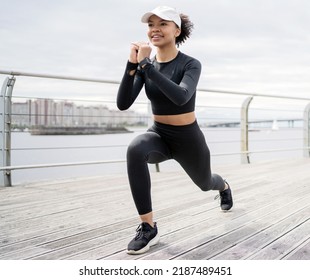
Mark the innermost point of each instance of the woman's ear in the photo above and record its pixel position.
(178, 32)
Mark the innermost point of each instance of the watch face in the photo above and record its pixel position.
(145, 61)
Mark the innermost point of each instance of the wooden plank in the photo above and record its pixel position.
(280, 247)
(302, 252)
(243, 249)
(251, 237)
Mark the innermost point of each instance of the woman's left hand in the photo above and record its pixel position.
(144, 51)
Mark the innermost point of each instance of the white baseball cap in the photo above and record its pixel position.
(164, 12)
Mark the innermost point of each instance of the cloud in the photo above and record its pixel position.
(261, 46)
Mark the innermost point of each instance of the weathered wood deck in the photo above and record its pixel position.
(94, 218)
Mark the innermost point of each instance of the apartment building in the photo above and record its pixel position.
(47, 112)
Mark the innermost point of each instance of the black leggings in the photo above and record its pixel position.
(185, 144)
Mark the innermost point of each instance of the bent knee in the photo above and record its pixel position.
(214, 183)
(205, 187)
(135, 152)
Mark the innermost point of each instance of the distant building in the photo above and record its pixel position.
(21, 113)
(47, 112)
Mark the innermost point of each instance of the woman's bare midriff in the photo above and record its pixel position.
(182, 119)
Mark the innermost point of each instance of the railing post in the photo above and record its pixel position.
(2, 124)
(244, 126)
(306, 131)
(5, 128)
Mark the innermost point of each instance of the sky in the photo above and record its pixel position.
(260, 46)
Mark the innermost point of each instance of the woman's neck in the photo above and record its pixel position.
(167, 54)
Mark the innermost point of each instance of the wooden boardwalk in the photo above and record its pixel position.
(94, 218)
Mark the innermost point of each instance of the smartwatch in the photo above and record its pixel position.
(144, 62)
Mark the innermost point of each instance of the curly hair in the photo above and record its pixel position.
(186, 29)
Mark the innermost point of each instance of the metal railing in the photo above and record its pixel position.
(6, 122)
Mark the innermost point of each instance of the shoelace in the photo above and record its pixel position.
(140, 232)
(219, 197)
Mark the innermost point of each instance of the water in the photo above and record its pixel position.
(220, 141)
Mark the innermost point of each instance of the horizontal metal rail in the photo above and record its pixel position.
(83, 79)
(254, 94)
(278, 150)
(68, 164)
(105, 101)
(67, 147)
(19, 167)
(58, 77)
(124, 146)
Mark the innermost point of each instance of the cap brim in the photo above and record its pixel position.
(146, 16)
(175, 18)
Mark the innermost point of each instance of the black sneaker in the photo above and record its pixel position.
(146, 237)
(225, 198)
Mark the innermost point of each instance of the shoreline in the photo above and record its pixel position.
(76, 130)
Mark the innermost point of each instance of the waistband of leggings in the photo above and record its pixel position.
(176, 127)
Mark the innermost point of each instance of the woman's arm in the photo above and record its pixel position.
(181, 93)
(132, 81)
(130, 86)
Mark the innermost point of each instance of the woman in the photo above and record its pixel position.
(170, 81)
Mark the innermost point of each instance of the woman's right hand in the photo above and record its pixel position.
(139, 51)
(133, 56)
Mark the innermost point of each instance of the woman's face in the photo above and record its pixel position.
(162, 32)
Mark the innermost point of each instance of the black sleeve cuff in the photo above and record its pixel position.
(131, 66)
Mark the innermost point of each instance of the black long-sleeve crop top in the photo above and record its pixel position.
(170, 86)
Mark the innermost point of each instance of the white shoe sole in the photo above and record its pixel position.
(153, 242)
